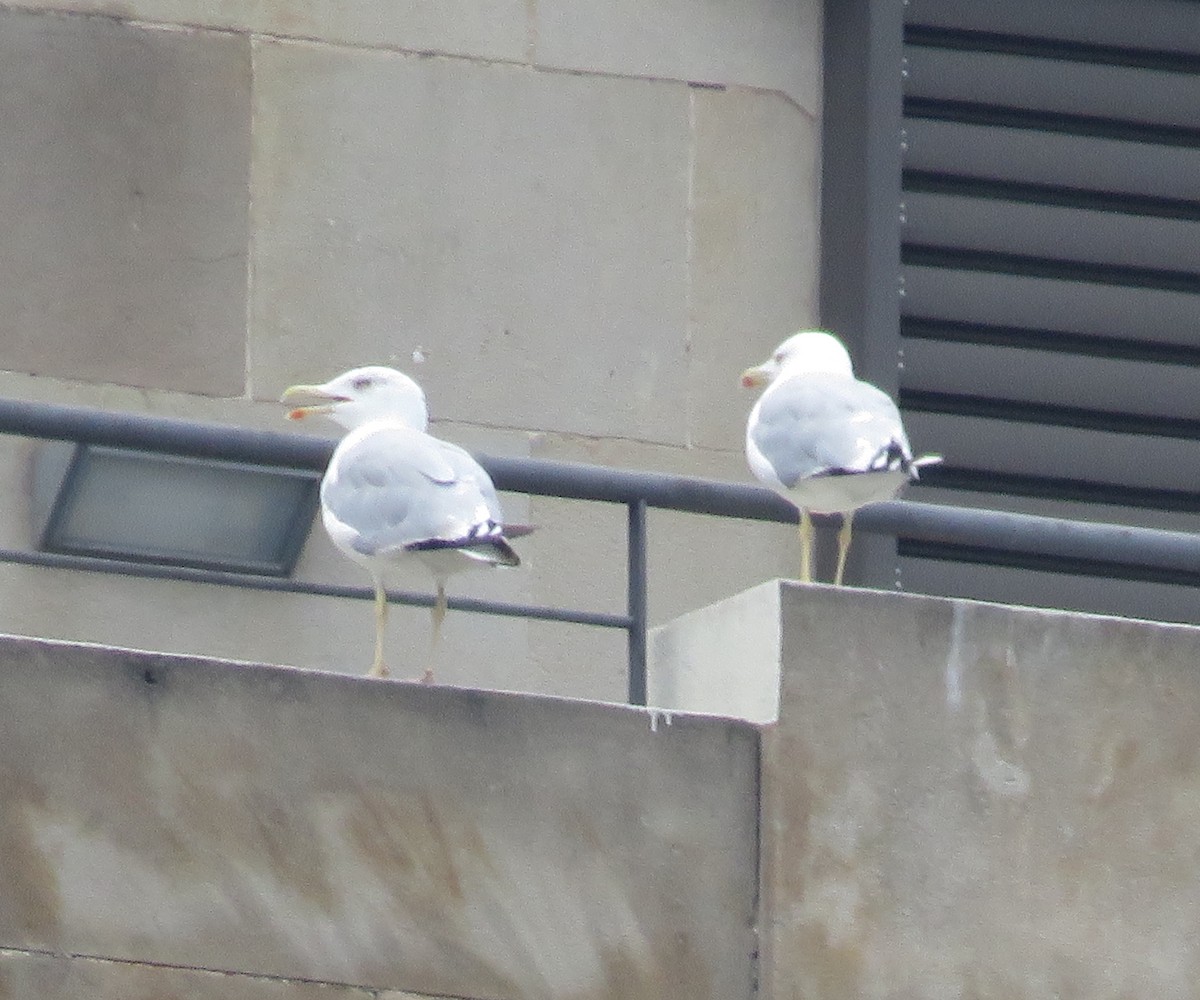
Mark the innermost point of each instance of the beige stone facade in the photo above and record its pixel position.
(587, 218)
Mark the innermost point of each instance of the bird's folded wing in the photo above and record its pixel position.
(824, 424)
(466, 469)
(396, 488)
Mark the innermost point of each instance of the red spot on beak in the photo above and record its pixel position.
(297, 414)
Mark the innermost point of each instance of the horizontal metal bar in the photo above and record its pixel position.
(1117, 544)
(1048, 536)
(164, 434)
(577, 481)
(188, 574)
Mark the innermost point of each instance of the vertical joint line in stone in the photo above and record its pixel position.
(247, 383)
(689, 229)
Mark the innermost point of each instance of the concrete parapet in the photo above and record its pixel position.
(956, 800)
(277, 824)
(962, 799)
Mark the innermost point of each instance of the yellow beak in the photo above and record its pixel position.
(754, 377)
(308, 392)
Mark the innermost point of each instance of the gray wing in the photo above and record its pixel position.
(397, 488)
(813, 425)
(467, 469)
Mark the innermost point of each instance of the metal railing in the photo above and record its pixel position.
(1144, 553)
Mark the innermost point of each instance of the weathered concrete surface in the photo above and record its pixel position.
(973, 800)
(723, 659)
(278, 822)
(124, 195)
(40, 976)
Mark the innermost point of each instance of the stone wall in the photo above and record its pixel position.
(587, 217)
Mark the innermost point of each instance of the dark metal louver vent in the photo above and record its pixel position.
(1050, 319)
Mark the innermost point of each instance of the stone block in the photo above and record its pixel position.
(755, 238)
(525, 230)
(723, 659)
(124, 194)
(763, 44)
(964, 799)
(278, 822)
(490, 29)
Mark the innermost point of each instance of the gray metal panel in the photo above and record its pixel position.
(1052, 231)
(1110, 384)
(1134, 460)
(1147, 314)
(1096, 513)
(1071, 592)
(1077, 161)
(1054, 85)
(1051, 164)
(860, 210)
(1171, 25)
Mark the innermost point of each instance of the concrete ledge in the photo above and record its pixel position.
(723, 660)
(956, 800)
(286, 823)
(962, 799)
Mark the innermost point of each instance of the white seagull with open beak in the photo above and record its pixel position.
(392, 492)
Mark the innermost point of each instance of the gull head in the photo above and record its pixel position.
(360, 396)
(810, 352)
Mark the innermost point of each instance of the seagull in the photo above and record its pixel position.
(825, 441)
(393, 493)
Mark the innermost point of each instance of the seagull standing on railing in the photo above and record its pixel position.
(825, 441)
(394, 493)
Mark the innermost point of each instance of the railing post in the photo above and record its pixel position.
(638, 615)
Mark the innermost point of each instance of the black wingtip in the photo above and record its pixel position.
(494, 549)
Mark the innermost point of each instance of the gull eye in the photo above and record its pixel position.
(363, 382)
(778, 359)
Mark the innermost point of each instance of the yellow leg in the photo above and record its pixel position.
(378, 669)
(439, 616)
(806, 546)
(844, 544)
